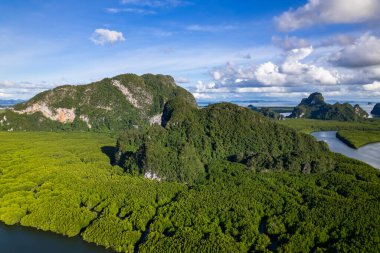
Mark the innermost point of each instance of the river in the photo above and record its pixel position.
(18, 239)
(369, 154)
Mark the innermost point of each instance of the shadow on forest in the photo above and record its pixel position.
(110, 152)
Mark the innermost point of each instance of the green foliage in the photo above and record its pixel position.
(63, 182)
(314, 107)
(311, 125)
(101, 106)
(267, 112)
(357, 139)
(192, 138)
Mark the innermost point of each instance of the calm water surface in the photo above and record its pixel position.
(17, 239)
(369, 154)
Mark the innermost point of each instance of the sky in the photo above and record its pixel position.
(217, 49)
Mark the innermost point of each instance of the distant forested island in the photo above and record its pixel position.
(315, 107)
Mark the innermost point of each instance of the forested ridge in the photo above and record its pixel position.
(109, 105)
(192, 138)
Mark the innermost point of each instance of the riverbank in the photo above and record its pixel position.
(353, 134)
(357, 139)
(367, 154)
(312, 125)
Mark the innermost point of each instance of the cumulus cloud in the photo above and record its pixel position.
(329, 12)
(105, 36)
(291, 72)
(375, 86)
(364, 52)
(202, 87)
(269, 74)
(231, 73)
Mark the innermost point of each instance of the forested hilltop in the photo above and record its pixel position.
(315, 107)
(112, 104)
(191, 139)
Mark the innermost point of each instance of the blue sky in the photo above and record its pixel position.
(218, 50)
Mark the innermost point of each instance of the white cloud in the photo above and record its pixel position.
(210, 28)
(6, 84)
(5, 95)
(289, 43)
(131, 10)
(202, 95)
(340, 40)
(375, 86)
(329, 12)
(291, 72)
(203, 87)
(181, 79)
(261, 89)
(232, 74)
(105, 36)
(299, 73)
(364, 52)
(269, 74)
(156, 3)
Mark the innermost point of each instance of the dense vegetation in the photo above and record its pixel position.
(193, 138)
(112, 104)
(62, 182)
(311, 125)
(226, 179)
(376, 110)
(357, 139)
(315, 107)
(267, 112)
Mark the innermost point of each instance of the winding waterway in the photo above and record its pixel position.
(17, 239)
(369, 154)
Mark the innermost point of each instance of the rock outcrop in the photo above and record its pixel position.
(315, 107)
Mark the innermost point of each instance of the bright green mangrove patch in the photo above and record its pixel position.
(357, 139)
(63, 182)
(313, 125)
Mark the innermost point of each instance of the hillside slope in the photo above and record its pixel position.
(193, 138)
(121, 102)
(315, 107)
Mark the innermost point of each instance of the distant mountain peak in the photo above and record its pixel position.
(315, 107)
(314, 99)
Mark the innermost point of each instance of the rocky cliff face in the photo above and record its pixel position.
(315, 107)
(117, 103)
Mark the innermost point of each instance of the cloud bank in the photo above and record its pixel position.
(328, 12)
